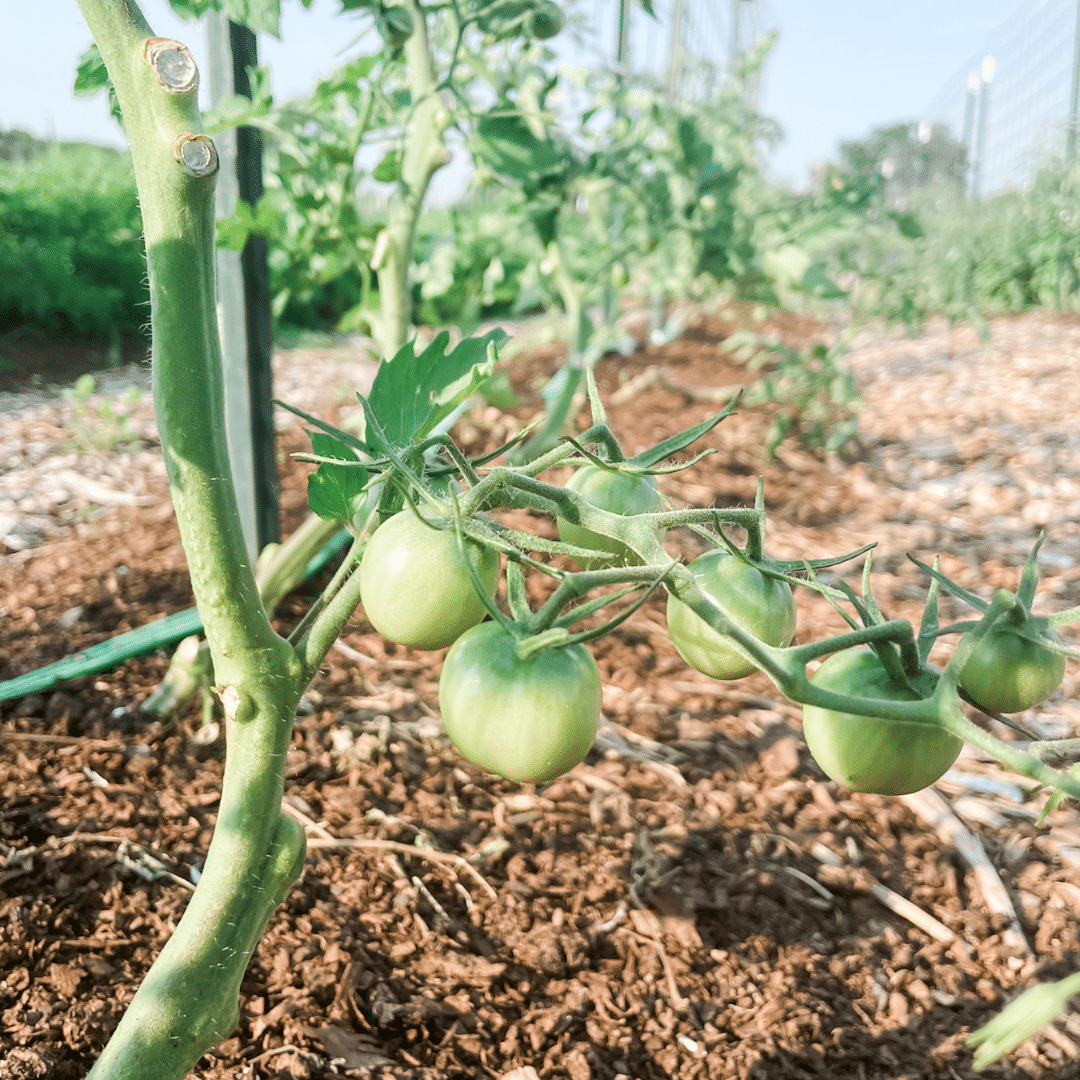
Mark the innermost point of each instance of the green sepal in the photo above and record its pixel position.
(951, 586)
(1058, 797)
(683, 439)
(1029, 577)
(786, 566)
(929, 627)
(337, 433)
(1020, 621)
(590, 607)
(599, 631)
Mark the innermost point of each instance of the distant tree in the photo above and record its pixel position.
(16, 145)
(899, 158)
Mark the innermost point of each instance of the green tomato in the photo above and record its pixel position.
(867, 753)
(761, 605)
(1008, 674)
(395, 24)
(498, 14)
(528, 719)
(619, 493)
(414, 584)
(546, 20)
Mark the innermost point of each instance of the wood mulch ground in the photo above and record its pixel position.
(695, 900)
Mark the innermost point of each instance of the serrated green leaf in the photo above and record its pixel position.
(233, 231)
(411, 394)
(333, 489)
(506, 142)
(91, 76)
(257, 15)
(497, 391)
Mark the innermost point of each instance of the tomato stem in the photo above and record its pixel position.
(529, 646)
(189, 998)
(323, 622)
(1022, 762)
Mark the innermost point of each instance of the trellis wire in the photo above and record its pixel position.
(690, 48)
(1023, 112)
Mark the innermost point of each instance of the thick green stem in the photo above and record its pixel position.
(423, 155)
(313, 639)
(188, 1001)
(281, 570)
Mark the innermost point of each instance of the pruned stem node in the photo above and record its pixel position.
(173, 64)
(196, 154)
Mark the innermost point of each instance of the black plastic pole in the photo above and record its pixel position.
(256, 272)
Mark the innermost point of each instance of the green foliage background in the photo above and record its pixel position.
(71, 252)
(1010, 253)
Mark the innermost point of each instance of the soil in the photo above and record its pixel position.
(695, 900)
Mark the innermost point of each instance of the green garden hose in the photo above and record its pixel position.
(138, 642)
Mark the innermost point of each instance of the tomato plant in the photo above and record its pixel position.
(1007, 673)
(529, 718)
(867, 753)
(619, 493)
(522, 700)
(415, 587)
(760, 604)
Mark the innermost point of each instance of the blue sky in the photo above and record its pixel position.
(840, 67)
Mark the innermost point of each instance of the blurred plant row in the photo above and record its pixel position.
(591, 191)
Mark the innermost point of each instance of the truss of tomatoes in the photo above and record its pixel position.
(531, 714)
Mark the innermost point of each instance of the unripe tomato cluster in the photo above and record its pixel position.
(533, 715)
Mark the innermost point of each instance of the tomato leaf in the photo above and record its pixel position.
(412, 394)
(256, 15)
(505, 141)
(333, 489)
(91, 76)
(388, 171)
